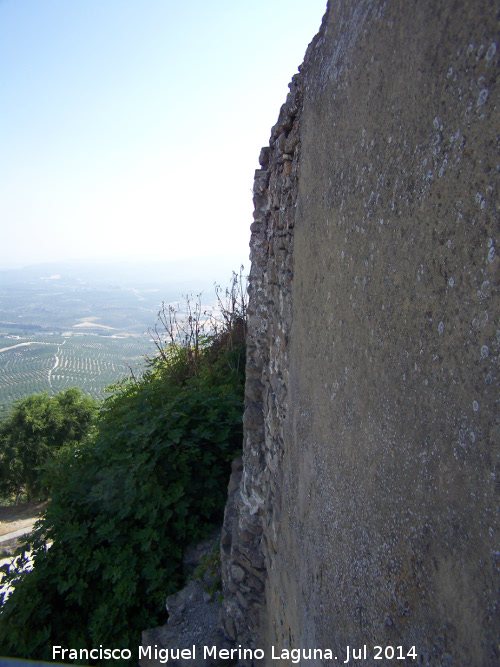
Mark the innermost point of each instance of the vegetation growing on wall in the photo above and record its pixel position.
(125, 505)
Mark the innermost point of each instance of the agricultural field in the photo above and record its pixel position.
(83, 325)
(33, 364)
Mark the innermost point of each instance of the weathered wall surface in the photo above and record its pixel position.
(368, 510)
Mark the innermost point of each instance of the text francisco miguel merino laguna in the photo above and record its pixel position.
(295, 655)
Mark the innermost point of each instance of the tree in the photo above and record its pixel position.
(38, 428)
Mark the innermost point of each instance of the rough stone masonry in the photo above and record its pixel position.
(368, 507)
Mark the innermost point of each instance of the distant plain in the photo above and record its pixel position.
(88, 325)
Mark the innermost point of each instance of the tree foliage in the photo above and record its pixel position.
(37, 429)
(125, 507)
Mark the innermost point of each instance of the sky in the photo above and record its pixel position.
(131, 129)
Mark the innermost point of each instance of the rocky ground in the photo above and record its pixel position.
(194, 613)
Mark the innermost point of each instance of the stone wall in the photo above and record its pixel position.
(368, 507)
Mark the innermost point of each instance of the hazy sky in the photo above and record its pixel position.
(132, 128)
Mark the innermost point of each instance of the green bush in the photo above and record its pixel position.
(125, 506)
(38, 428)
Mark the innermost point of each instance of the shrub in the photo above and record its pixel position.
(36, 431)
(126, 505)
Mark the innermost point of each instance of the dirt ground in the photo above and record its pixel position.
(13, 517)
